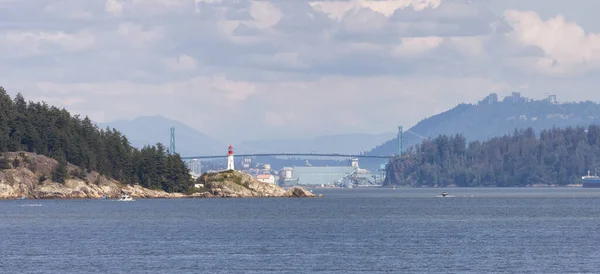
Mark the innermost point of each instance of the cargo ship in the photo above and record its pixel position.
(590, 181)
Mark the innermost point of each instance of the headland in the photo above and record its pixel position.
(29, 176)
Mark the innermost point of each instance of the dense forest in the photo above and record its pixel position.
(556, 157)
(50, 131)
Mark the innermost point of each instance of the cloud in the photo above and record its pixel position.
(567, 47)
(114, 7)
(412, 46)
(181, 63)
(16, 43)
(293, 68)
(339, 9)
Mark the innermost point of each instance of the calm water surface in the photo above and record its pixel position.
(515, 230)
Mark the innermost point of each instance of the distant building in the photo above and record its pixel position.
(552, 99)
(490, 99)
(195, 176)
(266, 178)
(285, 175)
(246, 163)
(516, 97)
(355, 163)
(330, 176)
(194, 166)
(318, 176)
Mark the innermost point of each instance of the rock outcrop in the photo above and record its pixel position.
(236, 184)
(29, 173)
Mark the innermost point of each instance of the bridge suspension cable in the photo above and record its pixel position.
(416, 134)
(290, 155)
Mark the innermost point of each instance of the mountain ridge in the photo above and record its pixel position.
(486, 120)
(149, 130)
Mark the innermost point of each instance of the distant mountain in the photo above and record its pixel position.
(490, 118)
(343, 144)
(149, 130)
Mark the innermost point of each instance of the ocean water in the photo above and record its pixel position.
(488, 230)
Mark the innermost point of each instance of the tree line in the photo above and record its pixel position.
(54, 132)
(555, 157)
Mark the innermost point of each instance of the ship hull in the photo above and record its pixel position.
(593, 182)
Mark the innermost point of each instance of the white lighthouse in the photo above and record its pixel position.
(230, 159)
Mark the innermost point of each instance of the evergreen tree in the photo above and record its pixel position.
(60, 174)
(557, 157)
(50, 131)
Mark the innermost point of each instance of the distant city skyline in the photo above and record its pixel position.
(248, 70)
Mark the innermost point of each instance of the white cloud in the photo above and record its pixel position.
(567, 47)
(265, 14)
(147, 7)
(181, 63)
(293, 68)
(339, 9)
(137, 35)
(29, 42)
(114, 7)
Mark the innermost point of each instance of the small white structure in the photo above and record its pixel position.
(266, 178)
(287, 173)
(198, 185)
(246, 163)
(230, 159)
(355, 162)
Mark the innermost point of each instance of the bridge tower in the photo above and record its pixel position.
(400, 141)
(172, 145)
(230, 159)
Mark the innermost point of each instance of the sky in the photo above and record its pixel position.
(245, 70)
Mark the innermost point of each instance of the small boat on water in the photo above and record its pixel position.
(32, 204)
(125, 198)
(590, 181)
(444, 194)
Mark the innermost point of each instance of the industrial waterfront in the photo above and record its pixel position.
(344, 174)
(307, 175)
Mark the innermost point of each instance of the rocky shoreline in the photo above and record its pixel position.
(29, 179)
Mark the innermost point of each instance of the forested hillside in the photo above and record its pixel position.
(484, 120)
(556, 157)
(47, 130)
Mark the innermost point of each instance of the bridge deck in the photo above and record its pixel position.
(290, 154)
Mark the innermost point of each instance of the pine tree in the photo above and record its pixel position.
(60, 174)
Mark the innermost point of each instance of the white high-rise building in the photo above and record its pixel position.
(230, 159)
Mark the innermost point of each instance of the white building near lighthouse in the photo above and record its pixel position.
(230, 159)
(266, 178)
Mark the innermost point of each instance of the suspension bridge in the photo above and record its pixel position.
(250, 155)
(289, 155)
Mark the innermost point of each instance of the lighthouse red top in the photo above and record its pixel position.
(230, 150)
